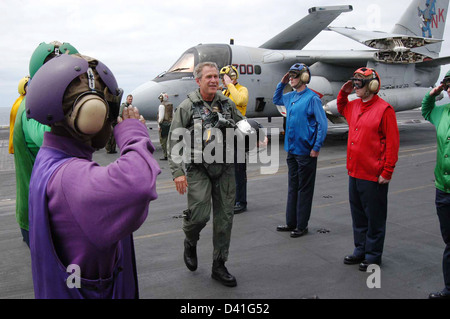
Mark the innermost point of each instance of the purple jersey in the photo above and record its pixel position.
(84, 214)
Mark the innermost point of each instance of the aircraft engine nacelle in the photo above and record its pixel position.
(322, 87)
(398, 49)
(400, 99)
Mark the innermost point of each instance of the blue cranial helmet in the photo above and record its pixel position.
(303, 71)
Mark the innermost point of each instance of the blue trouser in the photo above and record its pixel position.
(368, 205)
(443, 211)
(302, 176)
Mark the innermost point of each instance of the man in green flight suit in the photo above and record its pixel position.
(439, 116)
(28, 135)
(206, 180)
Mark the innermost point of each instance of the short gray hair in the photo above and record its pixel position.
(199, 68)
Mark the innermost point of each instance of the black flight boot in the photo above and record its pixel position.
(220, 273)
(190, 255)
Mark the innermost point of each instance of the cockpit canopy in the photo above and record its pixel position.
(184, 67)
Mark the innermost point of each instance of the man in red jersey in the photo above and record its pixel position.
(372, 152)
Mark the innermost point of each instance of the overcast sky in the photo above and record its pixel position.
(138, 39)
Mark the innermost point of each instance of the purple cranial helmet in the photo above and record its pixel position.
(46, 90)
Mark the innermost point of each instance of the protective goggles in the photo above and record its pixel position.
(446, 83)
(358, 83)
(294, 75)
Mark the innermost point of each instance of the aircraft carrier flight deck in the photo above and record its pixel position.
(269, 264)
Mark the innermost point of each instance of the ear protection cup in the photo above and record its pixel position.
(232, 75)
(305, 77)
(89, 114)
(374, 86)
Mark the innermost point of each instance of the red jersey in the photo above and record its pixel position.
(373, 138)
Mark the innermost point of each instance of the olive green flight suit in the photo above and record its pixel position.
(203, 190)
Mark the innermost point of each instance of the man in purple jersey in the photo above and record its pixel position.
(82, 215)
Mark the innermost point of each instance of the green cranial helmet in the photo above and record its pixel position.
(447, 75)
(46, 51)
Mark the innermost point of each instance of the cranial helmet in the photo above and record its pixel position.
(163, 97)
(231, 71)
(371, 78)
(447, 75)
(303, 71)
(446, 81)
(76, 92)
(46, 50)
(22, 84)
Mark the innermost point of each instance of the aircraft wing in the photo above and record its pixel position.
(382, 40)
(435, 62)
(344, 58)
(297, 36)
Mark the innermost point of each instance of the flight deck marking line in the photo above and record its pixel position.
(158, 234)
(8, 202)
(7, 214)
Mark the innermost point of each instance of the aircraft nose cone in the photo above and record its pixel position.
(145, 98)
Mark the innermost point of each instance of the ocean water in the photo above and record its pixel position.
(4, 116)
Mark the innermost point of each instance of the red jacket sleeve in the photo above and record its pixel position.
(390, 130)
(342, 104)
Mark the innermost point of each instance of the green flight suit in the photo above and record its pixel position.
(202, 190)
(439, 116)
(27, 138)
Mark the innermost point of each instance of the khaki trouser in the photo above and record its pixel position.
(163, 136)
(163, 142)
(201, 190)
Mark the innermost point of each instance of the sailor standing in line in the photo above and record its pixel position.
(239, 95)
(372, 152)
(439, 116)
(306, 129)
(28, 134)
(164, 119)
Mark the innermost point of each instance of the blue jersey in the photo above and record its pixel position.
(306, 122)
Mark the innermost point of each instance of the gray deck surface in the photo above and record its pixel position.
(269, 264)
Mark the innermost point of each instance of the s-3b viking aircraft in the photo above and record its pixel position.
(407, 60)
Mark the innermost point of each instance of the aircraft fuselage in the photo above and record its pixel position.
(260, 70)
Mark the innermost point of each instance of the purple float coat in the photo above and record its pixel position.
(84, 214)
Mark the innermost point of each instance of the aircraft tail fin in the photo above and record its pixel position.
(297, 36)
(424, 18)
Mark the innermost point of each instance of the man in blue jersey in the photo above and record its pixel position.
(306, 129)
